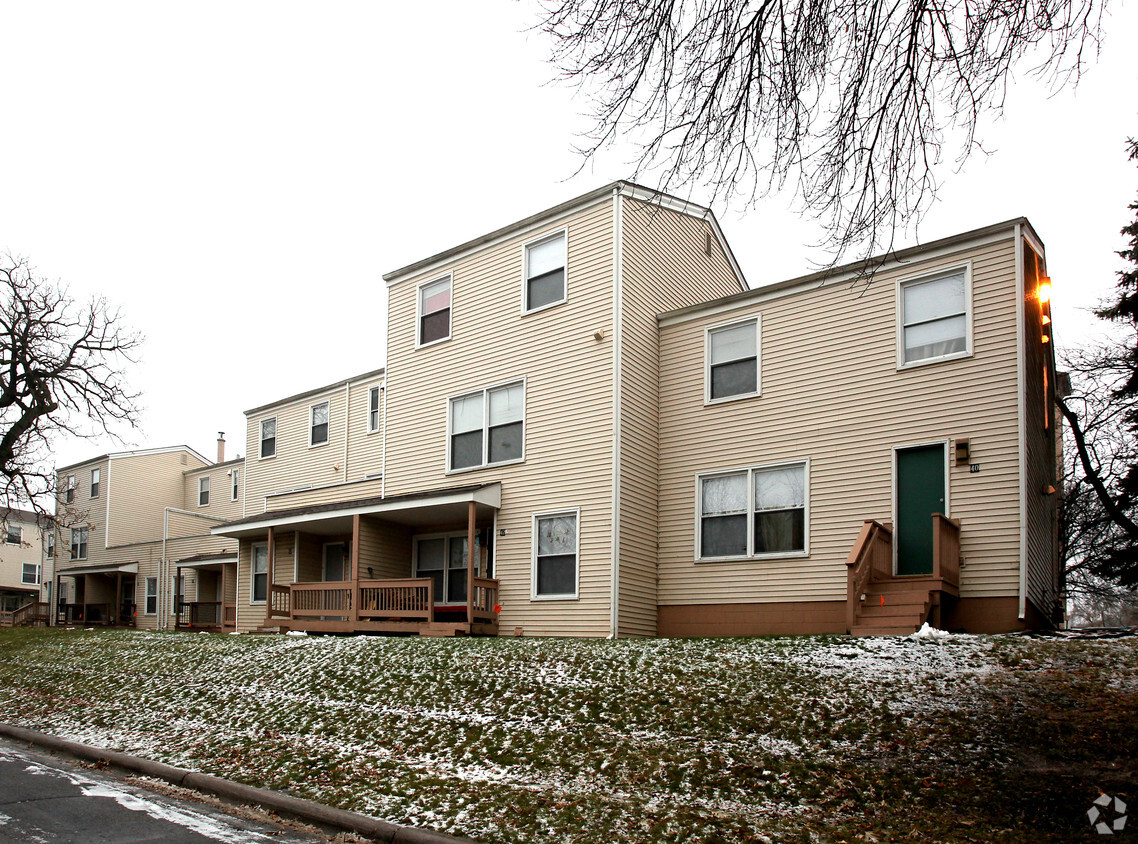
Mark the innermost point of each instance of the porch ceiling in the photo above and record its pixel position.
(416, 510)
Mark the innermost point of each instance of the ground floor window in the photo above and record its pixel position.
(556, 549)
(259, 588)
(753, 512)
(152, 596)
(443, 558)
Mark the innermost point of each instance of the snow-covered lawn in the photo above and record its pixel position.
(823, 738)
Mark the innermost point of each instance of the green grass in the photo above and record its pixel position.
(504, 740)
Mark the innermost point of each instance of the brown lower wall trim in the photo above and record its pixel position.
(988, 615)
(775, 619)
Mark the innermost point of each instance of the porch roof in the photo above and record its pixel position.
(125, 568)
(416, 509)
(201, 560)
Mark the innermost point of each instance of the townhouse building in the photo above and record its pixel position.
(589, 425)
(26, 556)
(135, 545)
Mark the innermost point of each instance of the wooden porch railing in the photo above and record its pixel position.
(870, 558)
(278, 604)
(200, 614)
(946, 549)
(85, 613)
(411, 598)
(230, 615)
(36, 612)
(323, 598)
(485, 599)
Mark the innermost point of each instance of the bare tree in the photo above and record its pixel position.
(60, 373)
(849, 102)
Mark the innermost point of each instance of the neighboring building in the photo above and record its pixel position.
(25, 559)
(634, 443)
(135, 545)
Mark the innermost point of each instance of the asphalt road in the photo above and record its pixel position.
(46, 799)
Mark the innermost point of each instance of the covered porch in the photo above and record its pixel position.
(399, 564)
(103, 597)
(215, 604)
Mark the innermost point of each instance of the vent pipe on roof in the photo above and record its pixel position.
(221, 446)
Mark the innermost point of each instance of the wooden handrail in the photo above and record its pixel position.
(28, 614)
(278, 604)
(870, 556)
(946, 549)
(485, 598)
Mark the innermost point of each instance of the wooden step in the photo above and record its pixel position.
(442, 628)
(882, 630)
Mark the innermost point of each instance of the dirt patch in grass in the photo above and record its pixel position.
(511, 740)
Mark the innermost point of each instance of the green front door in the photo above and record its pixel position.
(920, 493)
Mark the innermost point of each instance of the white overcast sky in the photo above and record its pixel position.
(237, 176)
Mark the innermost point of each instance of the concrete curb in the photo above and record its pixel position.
(284, 804)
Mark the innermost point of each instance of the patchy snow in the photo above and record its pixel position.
(929, 633)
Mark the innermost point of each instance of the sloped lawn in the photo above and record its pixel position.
(509, 740)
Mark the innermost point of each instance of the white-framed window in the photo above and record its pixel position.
(442, 557)
(487, 427)
(203, 491)
(434, 311)
(268, 437)
(235, 486)
(934, 317)
(544, 283)
(95, 476)
(79, 543)
(70, 489)
(318, 424)
(556, 550)
(31, 574)
(760, 511)
(49, 543)
(373, 410)
(259, 582)
(13, 534)
(733, 354)
(151, 607)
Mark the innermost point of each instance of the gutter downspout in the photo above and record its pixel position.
(617, 309)
(347, 416)
(1021, 421)
(162, 567)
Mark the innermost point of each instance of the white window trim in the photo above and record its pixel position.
(253, 572)
(261, 438)
(564, 230)
(146, 596)
(328, 436)
(19, 532)
(36, 575)
(419, 310)
(576, 594)
(486, 427)
(934, 275)
(96, 486)
(84, 557)
(209, 492)
(234, 482)
(379, 405)
(757, 319)
(758, 467)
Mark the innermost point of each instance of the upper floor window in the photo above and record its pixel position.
(935, 318)
(269, 437)
(753, 512)
(373, 410)
(95, 483)
(49, 543)
(434, 311)
(487, 426)
(733, 360)
(545, 272)
(318, 429)
(31, 574)
(203, 491)
(79, 543)
(14, 535)
(70, 489)
(236, 488)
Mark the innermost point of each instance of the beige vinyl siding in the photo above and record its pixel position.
(295, 464)
(365, 450)
(326, 495)
(832, 394)
(221, 504)
(665, 265)
(385, 550)
(1042, 508)
(250, 616)
(568, 412)
(140, 488)
(84, 511)
(13, 557)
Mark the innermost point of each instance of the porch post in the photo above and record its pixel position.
(55, 598)
(177, 595)
(85, 584)
(470, 518)
(221, 597)
(270, 575)
(355, 564)
(116, 606)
